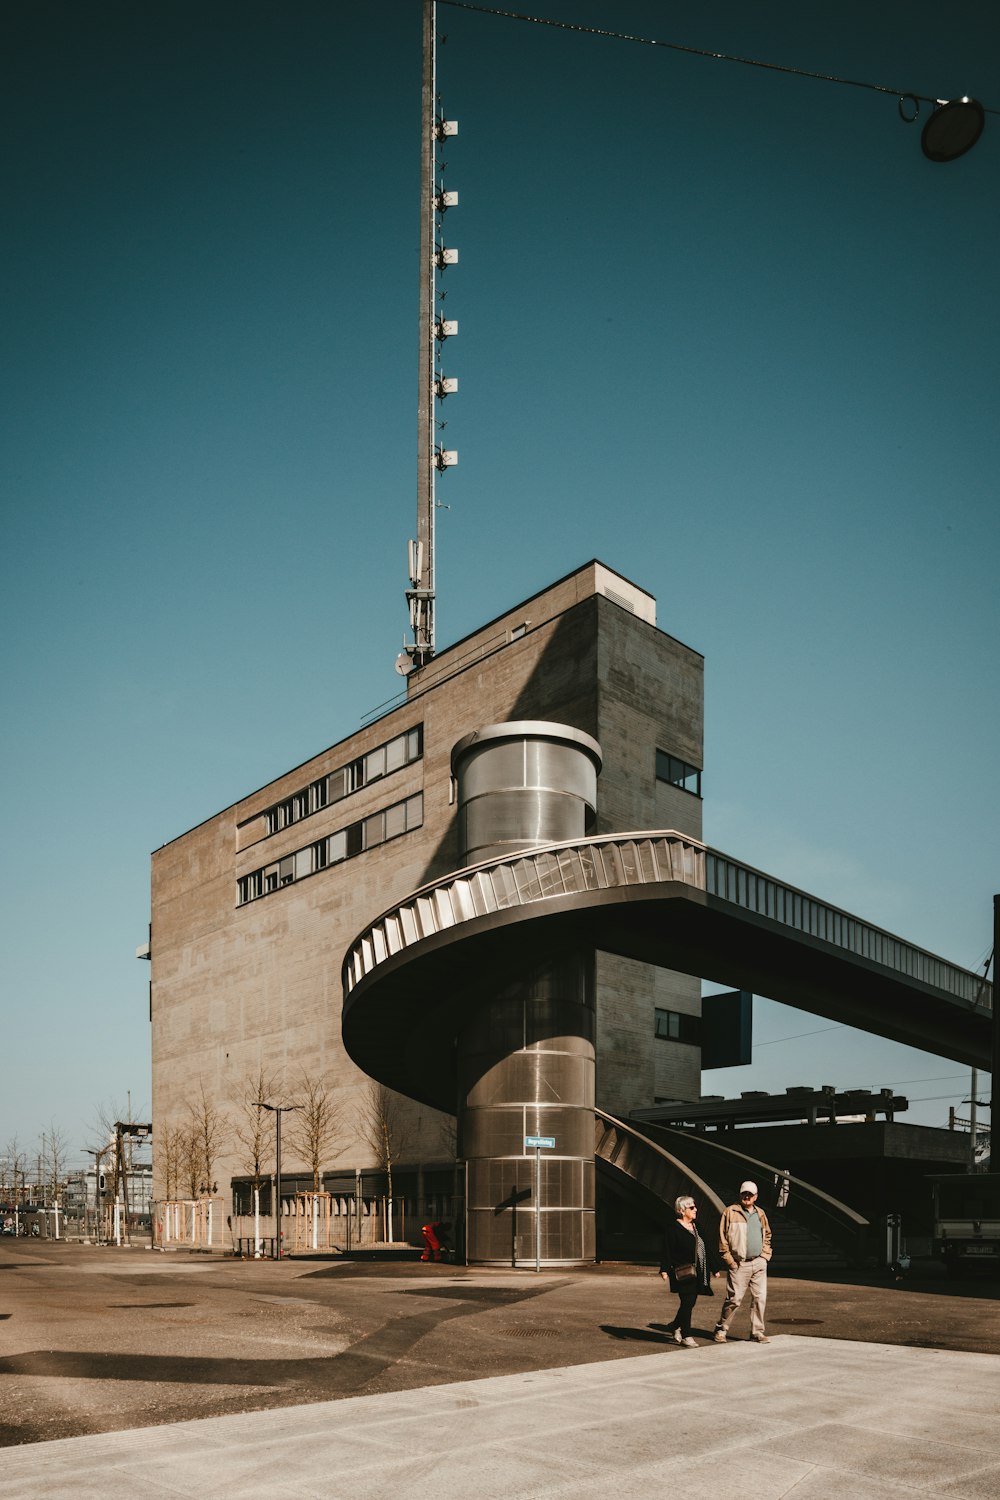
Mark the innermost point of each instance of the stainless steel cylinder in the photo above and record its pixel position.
(522, 784)
(526, 1056)
(526, 1068)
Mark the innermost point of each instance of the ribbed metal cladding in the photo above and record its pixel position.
(526, 1057)
(526, 1067)
(522, 784)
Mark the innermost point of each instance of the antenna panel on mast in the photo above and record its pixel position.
(435, 256)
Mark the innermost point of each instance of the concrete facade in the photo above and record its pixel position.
(247, 978)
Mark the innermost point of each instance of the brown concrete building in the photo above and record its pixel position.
(252, 910)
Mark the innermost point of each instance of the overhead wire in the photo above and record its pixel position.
(648, 41)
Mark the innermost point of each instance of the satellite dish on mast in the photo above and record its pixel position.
(404, 664)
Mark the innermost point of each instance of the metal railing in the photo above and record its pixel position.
(755, 892)
(633, 859)
(519, 880)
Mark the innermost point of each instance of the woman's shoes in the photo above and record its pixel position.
(689, 1343)
(678, 1337)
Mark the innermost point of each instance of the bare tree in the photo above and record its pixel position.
(252, 1127)
(317, 1128)
(190, 1158)
(15, 1166)
(172, 1143)
(317, 1125)
(253, 1130)
(381, 1126)
(53, 1158)
(207, 1125)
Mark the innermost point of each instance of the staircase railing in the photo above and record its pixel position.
(780, 1193)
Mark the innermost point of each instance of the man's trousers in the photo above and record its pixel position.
(749, 1275)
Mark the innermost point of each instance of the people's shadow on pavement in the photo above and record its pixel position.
(703, 1333)
(650, 1335)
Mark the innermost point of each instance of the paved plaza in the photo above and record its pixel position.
(814, 1419)
(374, 1382)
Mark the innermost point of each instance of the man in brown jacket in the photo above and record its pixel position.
(745, 1246)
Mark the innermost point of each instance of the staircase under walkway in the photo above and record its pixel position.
(653, 1165)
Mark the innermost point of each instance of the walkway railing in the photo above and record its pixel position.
(635, 859)
(755, 892)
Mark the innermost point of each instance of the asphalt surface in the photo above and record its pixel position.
(99, 1340)
(177, 1376)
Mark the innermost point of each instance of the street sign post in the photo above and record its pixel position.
(540, 1143)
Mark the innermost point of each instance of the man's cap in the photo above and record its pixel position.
(748, 1187)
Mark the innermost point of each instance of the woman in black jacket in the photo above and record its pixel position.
(688, 1264)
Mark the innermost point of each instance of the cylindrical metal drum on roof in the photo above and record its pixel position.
(522, 784)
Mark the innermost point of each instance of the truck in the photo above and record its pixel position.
(967, 1223)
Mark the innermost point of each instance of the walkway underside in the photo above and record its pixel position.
(402, 1008)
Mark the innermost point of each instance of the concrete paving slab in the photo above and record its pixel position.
(823, 1419)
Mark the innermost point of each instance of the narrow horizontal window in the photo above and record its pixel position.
(677, 772)
(674, 1026)
(368, 833)
(400, 751)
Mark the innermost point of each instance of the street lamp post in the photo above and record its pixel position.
(277, 1110)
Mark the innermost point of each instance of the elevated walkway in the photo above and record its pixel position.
(418, 977)
(654, 896)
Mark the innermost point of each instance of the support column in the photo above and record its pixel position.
(526, 1067)
(526, 1057)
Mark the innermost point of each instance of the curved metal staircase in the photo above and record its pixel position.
(654, 1165)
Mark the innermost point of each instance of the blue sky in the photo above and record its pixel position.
(725, 329)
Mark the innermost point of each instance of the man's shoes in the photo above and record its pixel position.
(678, 1338)
(719, 1336)
(759, 1338)
(689, 1343)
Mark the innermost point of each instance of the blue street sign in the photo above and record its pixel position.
(548, 1141)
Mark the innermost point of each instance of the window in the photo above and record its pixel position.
(337, 843)
(381, 761)
(338, 784)
(674, 1026)
(374, 764)
(376, 829)
(414, 811)
(678, 773)
(395, 820)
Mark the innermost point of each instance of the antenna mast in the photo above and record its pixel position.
(432, 385)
